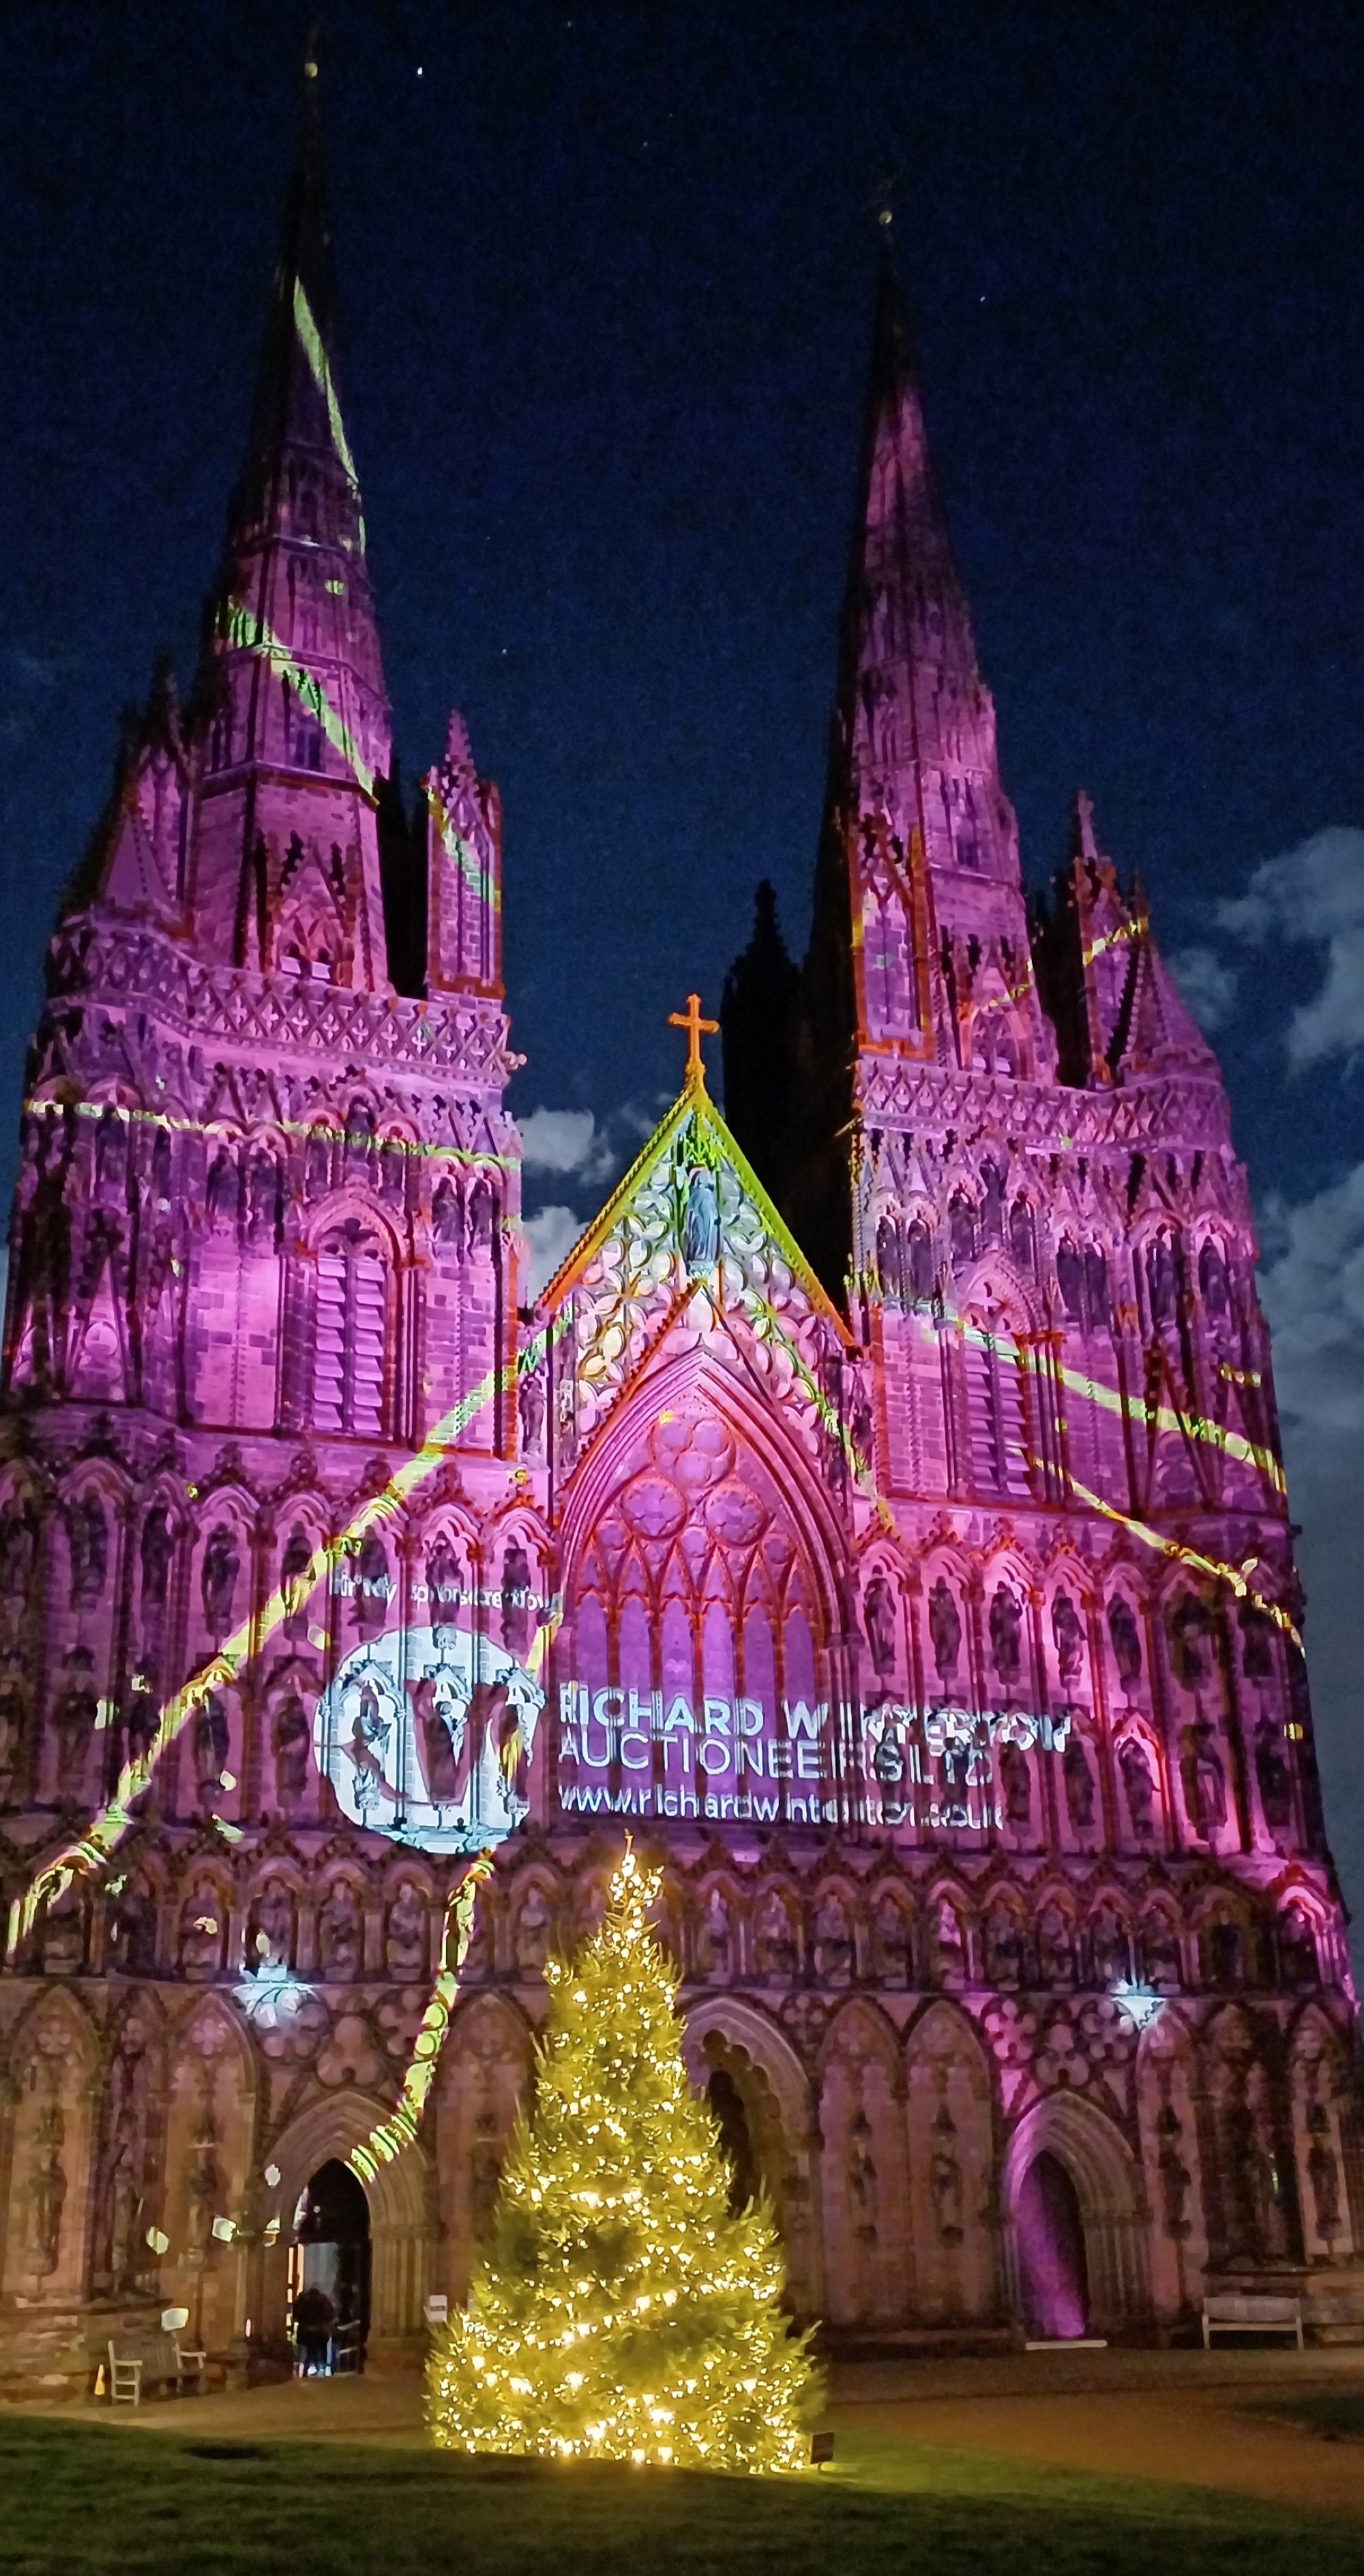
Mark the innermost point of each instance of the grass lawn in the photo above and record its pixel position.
(83, 2500)
(1338, 2413)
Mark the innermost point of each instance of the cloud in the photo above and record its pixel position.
(551, 1233)
(1207, 986)
(567, 1140)
(1313, 895)
(1312, 1289)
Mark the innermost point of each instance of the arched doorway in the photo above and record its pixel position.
(736, 2141)
(1053, 2273)
(329, 2266)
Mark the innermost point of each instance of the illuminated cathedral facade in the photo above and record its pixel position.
(880, 1513)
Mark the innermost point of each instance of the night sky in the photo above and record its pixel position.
(605, 286)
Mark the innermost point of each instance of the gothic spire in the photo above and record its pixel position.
(293, 691)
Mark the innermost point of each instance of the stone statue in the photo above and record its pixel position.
(530, 1406)
(74, 1717)
(374, 1586)
(1176, 2183)
(944, 1628)
(1273, 1776)
(157, 1550)
(447, 1217)
(1205, 1784)
(833, 1943)
(1126, 1637)
(863, 2189)
(293, 1583)
(443, 1588)
(270, 1929)
(221, 1193)
(121, 2205)
(47, 2190)
(1055, 1949)
(1079, 1785)
(88, 1538)
(1015, 1774)
(1323, 2174)
(1257, 1643)
(1003, 1948)
(1109, 1949)
(878, 1618)
(517, 1615)
(1006, 1637)
(293, 1736)
(1139, 1788)
(949, 1958)
(701, 1223)
(212, 1743)
(218, 1579)
(945, 2185)
(774, 1950)
(1069, 1636)
(1190, 1629)
(482, 1215)
(340, 1933)
(485, 2173)
(892, 1942)
(714, 1947)
(18, 1548)
(533, 1928)
(405, 1933)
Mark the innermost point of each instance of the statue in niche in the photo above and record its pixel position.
(203, 1919)
(1160, 1954)
(157, 1550)
(517, 1615)
(1003, 1948)
(447, 1217)
(88, 1539)
(919, 1262)
(374, 1586)
(1261, 2190)
(863, 2188)
(1055, 1949)
(1069, 1636)
(218, 1579)
(221, 1193)
(530, 1407)
(203, 2181)
(485, 2172)
(317, 1166)
(293, 1738)
(62, 1937)
(211, 1744)
(1205, 1781)
(892, 1942)
(949, 1956)
(264, 1199)
(533, 1927)
(888, 1259)
(133, 1932)
(1274, 1776)
(161, 1168)
(111, 1149)
(270, 1929)
(1323, 2172)
(1006, 1637)
(47, 2190)
(13, 1715)
(774, 1949)
(1257, 1643)
(405, 1933)
(1021, 1236)
(1139, 1788)
(992, 1202)
(1015, 1773)
(1190, 1630)
(443, 1589)
(944, 1628)
(1070, 1279)
(878, 1618)
(1214, 1285)
(961, 1233)
(714, 1948)
(482, 1215)
(18, 1549)
(946, 2188)
(340, 1933)
(1096, 1287)
(833, 1943)
(1109, 1949)
(293, 1583)
(75, 1715)
(1078, 1777)
(1161, 1280)
(141, 1717)
(701, 1222)
(122, 2203)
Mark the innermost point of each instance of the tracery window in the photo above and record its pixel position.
(350, 1346)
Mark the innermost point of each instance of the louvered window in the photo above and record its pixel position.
(996, 1413)
(351, 1342)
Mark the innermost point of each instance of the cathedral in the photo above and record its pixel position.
(879, 1515)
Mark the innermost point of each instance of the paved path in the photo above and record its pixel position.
(1191, 2418)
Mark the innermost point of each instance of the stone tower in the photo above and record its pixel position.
(881, 1509)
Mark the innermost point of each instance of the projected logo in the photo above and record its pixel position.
(427, 1736)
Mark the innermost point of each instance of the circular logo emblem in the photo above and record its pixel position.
(427, 1736)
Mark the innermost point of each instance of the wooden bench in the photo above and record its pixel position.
(156, 2361)
(1245, 2312)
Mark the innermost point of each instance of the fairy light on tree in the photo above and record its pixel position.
(619, 2310)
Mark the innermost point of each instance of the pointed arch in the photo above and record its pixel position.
(1107, 2184)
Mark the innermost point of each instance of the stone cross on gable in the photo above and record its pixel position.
(696, 1028)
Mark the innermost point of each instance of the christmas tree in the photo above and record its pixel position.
(620, 2310)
